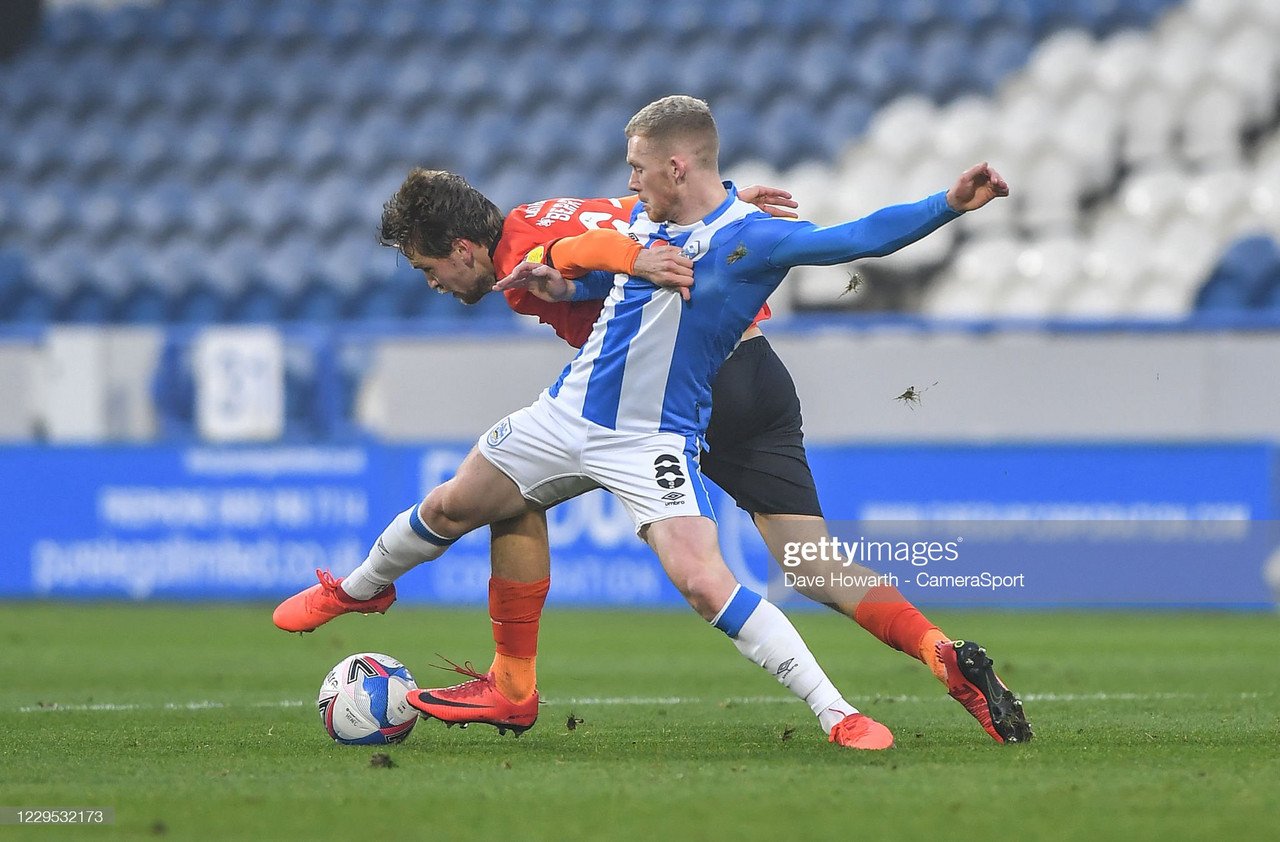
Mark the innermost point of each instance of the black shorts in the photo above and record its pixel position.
(755, 447)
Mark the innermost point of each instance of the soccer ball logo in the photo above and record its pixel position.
(362, 700)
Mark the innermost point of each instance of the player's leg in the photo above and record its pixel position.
(656, 478)
(756, 454)
(536, 449)
(690, 554)
(881, 609)
(521, 575)
(507, 695)
(478, 494)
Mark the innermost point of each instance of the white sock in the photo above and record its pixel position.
(767, 638)
(402, 546)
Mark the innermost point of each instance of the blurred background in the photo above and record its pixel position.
(215, 379)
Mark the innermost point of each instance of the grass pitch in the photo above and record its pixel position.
(199, 722)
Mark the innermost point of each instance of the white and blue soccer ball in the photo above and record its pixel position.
(362, 700)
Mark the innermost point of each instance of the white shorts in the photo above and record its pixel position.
(551, 454)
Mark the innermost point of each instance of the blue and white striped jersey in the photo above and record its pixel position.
(651, 357)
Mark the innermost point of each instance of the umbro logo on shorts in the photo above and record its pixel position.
(500, 432)
(673, 496)
(667, 471)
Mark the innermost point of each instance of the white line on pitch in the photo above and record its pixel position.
(108, 707)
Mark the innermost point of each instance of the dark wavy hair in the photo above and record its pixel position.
(433, 208)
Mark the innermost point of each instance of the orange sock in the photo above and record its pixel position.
(885, 612)
(515, 608)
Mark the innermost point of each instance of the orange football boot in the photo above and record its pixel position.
(972, 682)
(310, 609)
(857, 730)
(477, 700)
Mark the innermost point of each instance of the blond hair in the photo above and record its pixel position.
(679, 118)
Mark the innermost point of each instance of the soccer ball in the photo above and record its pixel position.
(362, 700)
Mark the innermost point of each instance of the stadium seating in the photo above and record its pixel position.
(229, 161)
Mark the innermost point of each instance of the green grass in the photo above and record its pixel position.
(1147, 726)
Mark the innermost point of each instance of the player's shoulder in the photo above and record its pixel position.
(548, 213)
(761, 227)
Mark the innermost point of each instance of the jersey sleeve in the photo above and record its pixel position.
(881, 233)
(593, 286)
(600, 248)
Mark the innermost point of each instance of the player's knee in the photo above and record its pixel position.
(706, 590)
(443, 514)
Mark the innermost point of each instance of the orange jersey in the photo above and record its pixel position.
(562, 233)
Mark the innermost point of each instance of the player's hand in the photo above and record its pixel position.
(976, 186)
(772, 200)
(540, 279)
(665, 266)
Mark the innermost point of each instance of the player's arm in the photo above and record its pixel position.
(608, 250)
(547, 283)
(888, 229)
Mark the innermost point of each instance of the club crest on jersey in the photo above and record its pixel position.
(499, 432)
(692, 249)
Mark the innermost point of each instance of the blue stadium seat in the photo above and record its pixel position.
(28, 304)
(735, 120)
(886, 65)
(341, 24)
(847, 118)
(51, 213)
(163, 211)
(784, 136)
(313, 146)
(571, 23)
(262, 144)
(144, 304)
(196, 85)
(710, 69)
(258, 302)
(912, 16)
(179, 25)
(86, 303)
(72, 28)
(200, 303)
(127, 26)
(105, 213)
(374, 142)
(94, 151)
(314, 301)
(41, 148)
(946, 64)
(151, 150)
(14, 279)
(289, 23)
(1243, 277)
(376, 301)
(230, 25)
(1000, 53)
(133, 92)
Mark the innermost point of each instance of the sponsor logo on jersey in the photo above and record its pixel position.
(536, 255)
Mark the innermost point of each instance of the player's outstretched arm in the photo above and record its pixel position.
(888, 229)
